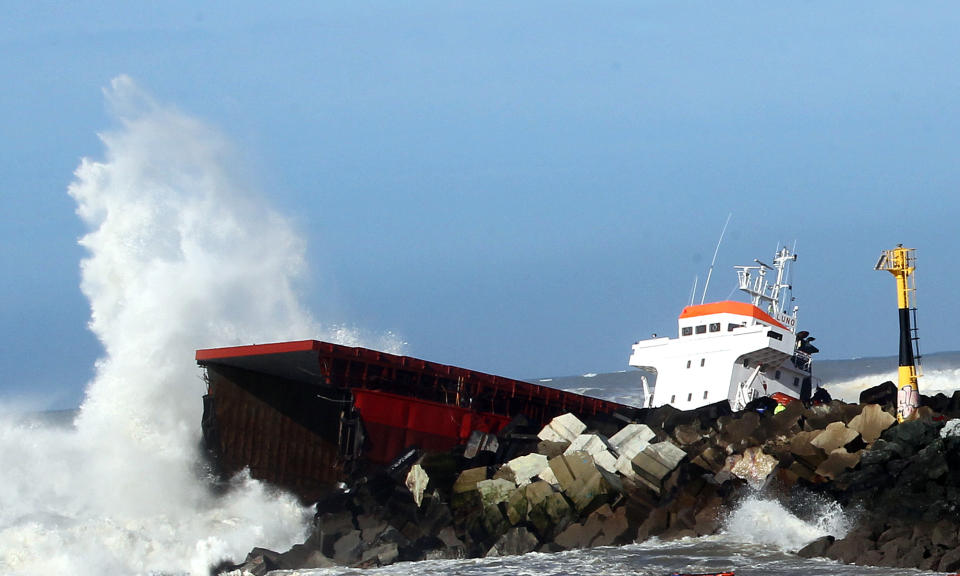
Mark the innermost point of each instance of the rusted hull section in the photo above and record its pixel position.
(271, 427)
(306, 414)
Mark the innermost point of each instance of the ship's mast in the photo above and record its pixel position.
(901, 262)
(764, 295)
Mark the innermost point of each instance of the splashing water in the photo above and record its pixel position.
(764, 521)
(181, 257)
(931, 382)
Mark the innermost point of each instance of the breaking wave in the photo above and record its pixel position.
(765, 521)
(180, 256)
(933, 381)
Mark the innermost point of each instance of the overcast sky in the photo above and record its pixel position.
(520, 188)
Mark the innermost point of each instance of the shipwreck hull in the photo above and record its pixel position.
(305, 415)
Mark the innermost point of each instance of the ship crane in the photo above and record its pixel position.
(901, 262)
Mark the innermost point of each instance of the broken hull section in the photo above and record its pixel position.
(305, 415)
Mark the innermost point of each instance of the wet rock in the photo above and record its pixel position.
(850, 548)
(382, 555)
(710, 459)
(347, 548)
(893, 551)
(882, 394)
(611, 525)
(818, 548)
(944, 534)
(514, 542)
(656, 523)
(911, 435)
(260, 561)
(950, 561)
(689, 434)
(739, 431)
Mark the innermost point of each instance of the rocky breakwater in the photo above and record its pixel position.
(668, 474)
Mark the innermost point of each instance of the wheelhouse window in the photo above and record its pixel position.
(732, 327)
(702, 329)
(686, 331)
(715, 327)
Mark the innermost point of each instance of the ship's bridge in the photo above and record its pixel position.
(727, 316)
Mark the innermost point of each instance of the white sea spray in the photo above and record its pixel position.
(180, 256)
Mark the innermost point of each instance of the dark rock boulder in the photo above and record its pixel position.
(883, 394)
(818, 548)
(514, 542)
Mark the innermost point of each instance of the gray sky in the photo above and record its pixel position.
(519, 188)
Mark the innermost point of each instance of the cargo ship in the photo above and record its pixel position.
(308, 414)
(733, 350)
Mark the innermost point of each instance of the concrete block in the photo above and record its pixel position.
(568, 467)
(537, 492)
(655, 462)
(551, 514)
(604, 459)
(563, 428)
(597, 447)
(517, 507)
(871, 422)
(755, 466)
(467, 481)
(632, 439)
(835, 435)
(589, 443)
(495, 491)
(838, 461)
(548, 476)
(527, 467)
(480, 442)
(416, 482)
(516, 541)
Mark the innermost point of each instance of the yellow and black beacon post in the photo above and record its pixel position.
(901, 262)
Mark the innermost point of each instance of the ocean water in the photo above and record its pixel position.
(118, 487)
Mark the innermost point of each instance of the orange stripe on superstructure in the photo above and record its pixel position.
(730, 307)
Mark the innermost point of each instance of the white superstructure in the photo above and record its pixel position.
(732, 350)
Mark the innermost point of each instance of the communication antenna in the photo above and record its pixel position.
(693, 291)
(714, 261)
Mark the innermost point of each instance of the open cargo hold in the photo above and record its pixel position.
(306, 414)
